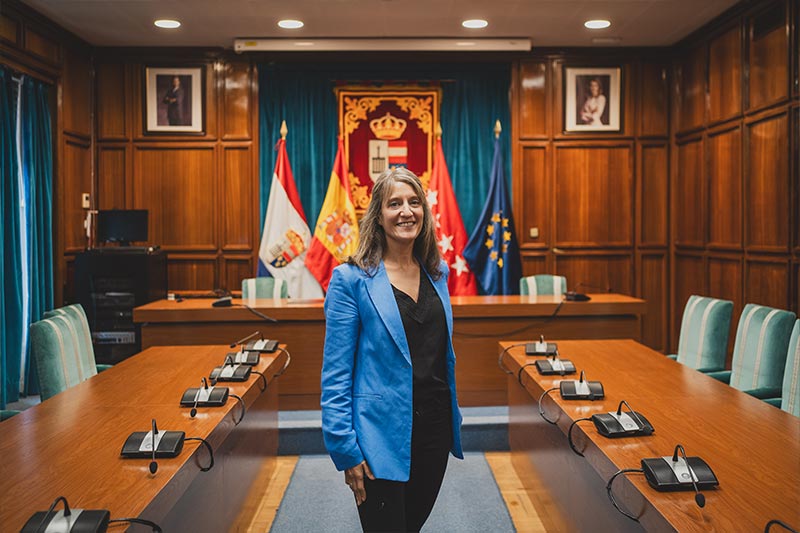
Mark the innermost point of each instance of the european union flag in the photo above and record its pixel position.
(492, 251)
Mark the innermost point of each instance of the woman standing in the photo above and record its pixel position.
(389, 410)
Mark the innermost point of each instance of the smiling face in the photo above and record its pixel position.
(401, 214)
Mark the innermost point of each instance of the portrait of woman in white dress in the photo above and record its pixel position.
(592, 98)
(593, 110)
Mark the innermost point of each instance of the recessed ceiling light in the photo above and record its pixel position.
(475, 23)
(290, 24)
(597, 24)
(167, 23)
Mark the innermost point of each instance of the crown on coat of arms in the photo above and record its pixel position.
(388, 127)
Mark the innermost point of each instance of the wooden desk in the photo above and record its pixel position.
(479, 323)
(753, 448)
(69, 445)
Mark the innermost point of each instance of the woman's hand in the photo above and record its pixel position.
(354, 477)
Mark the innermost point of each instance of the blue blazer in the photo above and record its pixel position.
(367, 375)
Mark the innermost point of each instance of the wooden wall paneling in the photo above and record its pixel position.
(112, 167)
(239, 189)
(237, 100)
(652, 275)
(689, 195)
(187, 272)
(533, 104)
(41, 45)
(767, 282)
(767, 203)
(77, 93)
(725, 76)
(235, 269)
(691, 111)
(536, 263)
(534, 201)
(210, 102)
(725, 189)
(594, 195)
(177, 184)
(76, 179)
(10, 29)
(768, 55)
(795, 180)
(112, 88)
(597, 271)
(689, 274)
(725, 281)
(653, 96)
(653, 191)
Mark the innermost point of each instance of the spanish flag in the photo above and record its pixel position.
(336, 232)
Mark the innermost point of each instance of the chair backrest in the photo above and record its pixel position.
(265, 287)
(759, 354)
(703, 342)
(77, 316)
(60, 363)
(542, 284)
(790, 396)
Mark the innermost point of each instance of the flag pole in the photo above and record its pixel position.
(284, 130)
(497, 129)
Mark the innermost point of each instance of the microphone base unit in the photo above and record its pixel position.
(666, 475)
(230, 373)
(210, 397)
(246, 358)
(261, 346)
(581, 390)
(139, 444)
(541, 348)
(79, 521)
(549, 367)
(613, 425)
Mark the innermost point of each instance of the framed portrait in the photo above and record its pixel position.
(174, 100)
(592, 99)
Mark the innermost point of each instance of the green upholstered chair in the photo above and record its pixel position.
(5, 414)
(265, 287)
(542, 284)
(759, 353)
(703, 343)
(80, 327)
(790, 393)
(59, 360)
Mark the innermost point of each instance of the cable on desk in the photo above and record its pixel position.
(519, 372)
(569, 435)
(503, 353)
(285, 365)
(611, 493)
(533, 324)
(152, 525)
(541, 411)
(210, 452)
(244, 409)
(779, 523)
(263, 378)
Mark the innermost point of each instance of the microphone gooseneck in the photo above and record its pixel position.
(698, 496)
(193, 412)
(244, 340)
(49, 512)
(153, 463)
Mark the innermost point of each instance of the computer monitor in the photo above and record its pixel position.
(122, 226)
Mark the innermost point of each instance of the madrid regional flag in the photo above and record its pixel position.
(450, 233)
(286, 236)
(336, 232)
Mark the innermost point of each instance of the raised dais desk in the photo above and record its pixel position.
(752, 447)
(69, 445)
(479, 323)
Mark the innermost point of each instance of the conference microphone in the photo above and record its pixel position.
(154, 463)
(698, 496)
(193, 412)
(581, 389)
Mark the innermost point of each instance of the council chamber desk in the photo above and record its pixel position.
(479, 323)
(69, 445)
(752, 447)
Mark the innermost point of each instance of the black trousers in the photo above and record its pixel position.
(405, 506)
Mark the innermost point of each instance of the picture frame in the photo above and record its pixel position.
(174, 100)
(592, 99)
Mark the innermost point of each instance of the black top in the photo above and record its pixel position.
(425, 325)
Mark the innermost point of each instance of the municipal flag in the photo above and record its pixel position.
(336, 232)
(492, 251)
(286, 237)
(450, 233)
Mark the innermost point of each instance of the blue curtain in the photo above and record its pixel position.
(473, 98)
(37, 164)
(11, 319)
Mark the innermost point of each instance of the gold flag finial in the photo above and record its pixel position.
(497, 129)
(284, 130)
(438, 130)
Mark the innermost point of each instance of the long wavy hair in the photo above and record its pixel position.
(372, 237)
